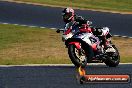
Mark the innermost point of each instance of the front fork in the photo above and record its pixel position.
(78, 46)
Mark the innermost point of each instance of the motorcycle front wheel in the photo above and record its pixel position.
(77, 56)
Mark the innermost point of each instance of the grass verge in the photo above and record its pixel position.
(109, 5)
(24, 45)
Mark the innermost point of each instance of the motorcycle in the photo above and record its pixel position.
(84, 47)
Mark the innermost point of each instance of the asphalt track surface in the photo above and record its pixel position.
(50, 17)
(57, 76)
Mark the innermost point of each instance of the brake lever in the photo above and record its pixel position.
(58, 31)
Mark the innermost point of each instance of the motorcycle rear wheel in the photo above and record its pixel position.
(113, 61)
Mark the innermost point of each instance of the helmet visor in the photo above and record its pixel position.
(66, 16)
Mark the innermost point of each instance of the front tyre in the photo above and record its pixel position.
(77, 57)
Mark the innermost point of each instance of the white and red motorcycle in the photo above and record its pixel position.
(84, 47)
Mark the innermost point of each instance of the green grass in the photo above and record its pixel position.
(24, 45)
(113, 5)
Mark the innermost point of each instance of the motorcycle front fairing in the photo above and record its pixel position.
(89, 38)
(76, 35)
(84, 37)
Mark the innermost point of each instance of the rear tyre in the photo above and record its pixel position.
(113, 59)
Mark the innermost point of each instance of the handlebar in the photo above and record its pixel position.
(59, 30)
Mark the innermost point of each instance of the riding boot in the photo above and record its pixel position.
(107, 46)
(103, 41)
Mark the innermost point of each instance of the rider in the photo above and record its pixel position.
(69, 16)
(76, 21)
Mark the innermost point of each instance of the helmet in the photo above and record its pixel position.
(68, 15)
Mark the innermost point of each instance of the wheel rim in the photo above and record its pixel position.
(81, 57)
(114, 56)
